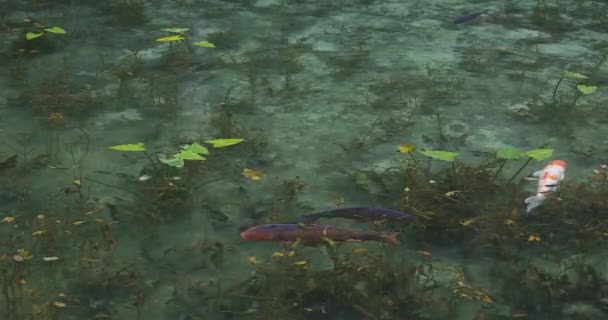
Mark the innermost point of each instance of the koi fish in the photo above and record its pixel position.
(358, 214)
(313, 234)
(549, 179)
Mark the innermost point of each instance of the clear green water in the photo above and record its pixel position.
(323, 93)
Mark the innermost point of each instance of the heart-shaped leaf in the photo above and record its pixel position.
(574, 75)
(220, 143)
(204, 44)
(176, 37)
(509, 153)
(539, 154)
(189, 155)
(129, 147)
(196, 148)
(56, 30)
(33, 35)
(584, 89)
(172, 161)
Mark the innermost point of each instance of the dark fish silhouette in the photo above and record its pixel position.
(362, 214)
(470, 17)
(313, 234)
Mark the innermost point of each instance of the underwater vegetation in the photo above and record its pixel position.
(144, 172)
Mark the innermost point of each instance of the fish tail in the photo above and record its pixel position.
(532, 202)
(390, 237)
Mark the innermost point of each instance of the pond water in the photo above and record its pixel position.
(140, 138)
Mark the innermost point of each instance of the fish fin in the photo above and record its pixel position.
(390, 237)
(534, 176)
(531, 203)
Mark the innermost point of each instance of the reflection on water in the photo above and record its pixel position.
(142, 138)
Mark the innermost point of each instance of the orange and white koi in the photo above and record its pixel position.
(549, 179)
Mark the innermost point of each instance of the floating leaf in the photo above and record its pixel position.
(406, 148)
(509, 153)
(252, 174)
(204, 44)
(176, 37)
(176, 30)
(189, 155)
(440, 155)
(220, 143)
(300, 263)
(59, 304)
(539, 154)
(8, 219)
(33, 35)
(173, 162)
(574, 75)
(129, 147)
(584, 89)
(196, 148)
(56, 30)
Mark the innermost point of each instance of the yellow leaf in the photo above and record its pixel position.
(22, 281)
(8, 219)
(40, 216)
(77, 182)
(59, 304)
(406, 148)
(252, 174)
(291, 253)
(468, 222)
(176, 37)
(253, 260)
(300, 263)
(77, 223)
(509, 222)
(533, 238)
(360, 250)
(278, 254)
(50, 258)
(38, 233)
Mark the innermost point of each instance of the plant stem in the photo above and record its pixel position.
(502, 164)
(413, 159)
(520, 169)
(151, 161)
(557, 86)
(454, 169)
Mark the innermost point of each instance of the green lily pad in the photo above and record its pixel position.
(539, 154)
(33, 35)
(509, 153)
(56, 30)
(204, 44)
(440, 155)
(196, 148)
(220, 143)
(129, 147)
(189, 155)
(584, 89)
(172, 161)
(574, 75)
